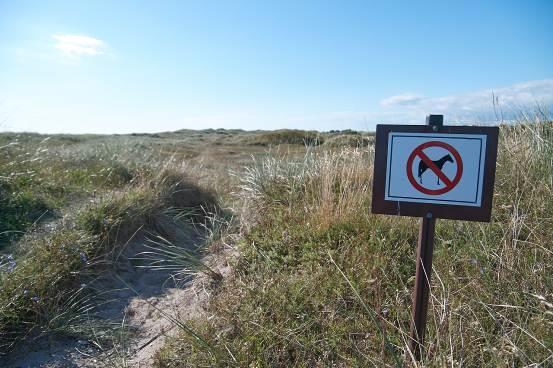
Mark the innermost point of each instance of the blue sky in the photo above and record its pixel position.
(146, 66)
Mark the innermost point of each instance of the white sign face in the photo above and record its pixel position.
(435, 168)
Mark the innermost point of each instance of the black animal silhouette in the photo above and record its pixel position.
(439, 163)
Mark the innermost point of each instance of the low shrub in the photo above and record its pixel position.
(286, 136)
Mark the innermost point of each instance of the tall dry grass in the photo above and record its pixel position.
(330, 184)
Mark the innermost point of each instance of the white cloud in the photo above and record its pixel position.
(479, 105)
(78, 45)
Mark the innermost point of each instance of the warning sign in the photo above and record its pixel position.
(416, 165)
(435, 166)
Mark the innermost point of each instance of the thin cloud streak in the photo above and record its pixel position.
(406, 99)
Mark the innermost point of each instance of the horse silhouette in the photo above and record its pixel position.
(439, 163)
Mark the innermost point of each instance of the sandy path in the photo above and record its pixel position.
(142, 302)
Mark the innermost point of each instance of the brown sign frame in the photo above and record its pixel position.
(445, 211)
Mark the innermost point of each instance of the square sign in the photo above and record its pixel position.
(448, 173)
(435, 168)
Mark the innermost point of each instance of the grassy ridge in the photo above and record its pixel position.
(322, 282)
(67, 206)
(287, 136)
(46, 290)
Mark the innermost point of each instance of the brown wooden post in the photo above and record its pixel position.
(422, 284)
(423, 274)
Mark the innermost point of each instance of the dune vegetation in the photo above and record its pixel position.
(316, 280)
(66, 217)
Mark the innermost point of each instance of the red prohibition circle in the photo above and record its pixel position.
(449, 184)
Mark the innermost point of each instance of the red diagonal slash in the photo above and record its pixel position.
(448, 183)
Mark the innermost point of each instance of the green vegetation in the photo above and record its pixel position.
(286, 136)
(349, 140)
(321, 282)
(317, 280)
(68, 207)
(37, 180)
